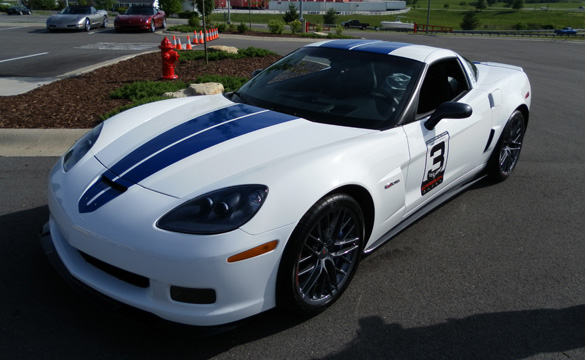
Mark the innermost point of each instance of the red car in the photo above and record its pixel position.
(141, 18)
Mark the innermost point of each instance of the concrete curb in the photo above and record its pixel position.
(37, 142)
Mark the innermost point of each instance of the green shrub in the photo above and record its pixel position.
(230, 83)
(221, 28)
(242, 28)
(295, 26)
(220, 55)
(187, 14)
(194, 20)
(255, 52)
(146, 89)
(276, 26)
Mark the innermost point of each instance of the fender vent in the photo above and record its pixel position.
(489, 142)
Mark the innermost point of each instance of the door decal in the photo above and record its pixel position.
(436, 162)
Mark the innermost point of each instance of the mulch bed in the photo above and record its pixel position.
(78, 102)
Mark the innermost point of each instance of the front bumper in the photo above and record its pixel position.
(118, 253)
(65, 26)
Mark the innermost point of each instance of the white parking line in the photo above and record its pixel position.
(12, 28)
(24, 57)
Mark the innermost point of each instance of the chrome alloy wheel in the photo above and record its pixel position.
(511, 144)
(329, 255)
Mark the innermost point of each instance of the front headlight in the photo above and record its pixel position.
(216, 212)
(81, 147)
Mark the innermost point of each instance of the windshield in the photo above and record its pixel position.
(77, 10)
(140, 10)
(347, 88)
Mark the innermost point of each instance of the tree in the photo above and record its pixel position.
(291, 14)
(170, 6)
(481, 4)
(517, 4)
(470, 21)
(209, 7)
(330, 17)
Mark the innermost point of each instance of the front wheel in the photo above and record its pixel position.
(507, 151)
(87, 26)
(105, 22)
(322, 255)
(152, 26)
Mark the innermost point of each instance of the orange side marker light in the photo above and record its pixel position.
(258, 250)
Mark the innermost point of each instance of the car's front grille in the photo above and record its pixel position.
(126, 276)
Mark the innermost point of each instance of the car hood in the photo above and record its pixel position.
(133, 17)
(66, 19)
(180, 146)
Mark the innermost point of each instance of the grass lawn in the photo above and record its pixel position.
(450, 13)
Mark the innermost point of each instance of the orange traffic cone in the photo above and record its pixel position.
(174, 42)
(201, 38)
(195, 38)
(179, 46)
(188, 46)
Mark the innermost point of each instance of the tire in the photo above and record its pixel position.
(105, 22)
(321, 256)
(152, 26)
(87, 26)
(164, 24)
(507, 151)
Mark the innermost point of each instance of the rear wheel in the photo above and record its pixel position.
(507, 151)
(322, 255)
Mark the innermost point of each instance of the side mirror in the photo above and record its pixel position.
(448, 110)
(256, 72)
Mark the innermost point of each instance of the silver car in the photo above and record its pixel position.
(78, 18)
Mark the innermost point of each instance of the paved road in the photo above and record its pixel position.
(497, 273)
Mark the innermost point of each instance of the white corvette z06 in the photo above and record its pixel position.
(207, 210)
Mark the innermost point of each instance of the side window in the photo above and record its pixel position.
(444, 81)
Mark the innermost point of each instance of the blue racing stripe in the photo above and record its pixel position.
(203, 141)
(173, 146)
(177, 133)
(373, 46)
(349, 44)
(383, 47)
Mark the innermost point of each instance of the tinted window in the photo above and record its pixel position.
(349, 88)
(444, 81)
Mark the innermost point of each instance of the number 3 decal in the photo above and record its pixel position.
(436, 162)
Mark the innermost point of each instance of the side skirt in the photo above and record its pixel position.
(422, 212)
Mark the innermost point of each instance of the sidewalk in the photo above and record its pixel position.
(37, 142)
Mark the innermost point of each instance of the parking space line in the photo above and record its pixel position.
(23, 57)
(12, 28)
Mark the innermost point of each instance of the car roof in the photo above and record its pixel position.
(422, 53)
